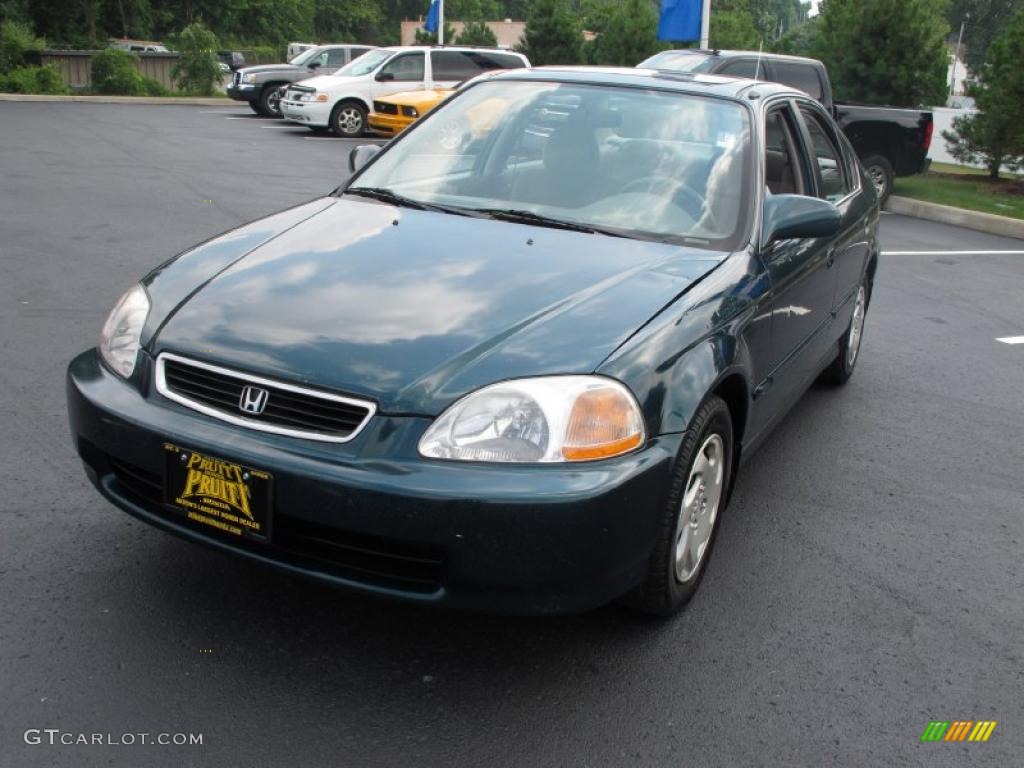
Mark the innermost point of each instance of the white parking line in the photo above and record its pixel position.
(1012, 340)
(953, 253)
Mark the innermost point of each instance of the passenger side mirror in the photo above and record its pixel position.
(361, 155)
(384, 77)
(798, 216)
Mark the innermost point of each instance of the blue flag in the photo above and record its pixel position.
(680, 20)
(431, 23)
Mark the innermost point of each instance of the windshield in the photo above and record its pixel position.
(679, 61)
(365, 64)
(641, 163)
(305, 56)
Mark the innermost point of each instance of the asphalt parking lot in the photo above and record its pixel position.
(867, 577)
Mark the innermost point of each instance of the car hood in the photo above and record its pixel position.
(263, 68)
(428, 98)
(414, 309)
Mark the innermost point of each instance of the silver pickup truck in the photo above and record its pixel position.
(261, 85)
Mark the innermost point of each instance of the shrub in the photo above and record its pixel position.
(477, 33)
(45, 80)
(196, 71)
(15, 41)
(114, 73)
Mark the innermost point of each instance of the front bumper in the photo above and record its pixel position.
(243, 91)
(316, 114)
(389, 125)
(374, 517)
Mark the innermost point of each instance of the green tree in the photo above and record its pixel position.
(430, 38)
(885, 51)
(477, 33)
(16, 40)
(733, 30)
(801, 40)
(995, 134)
(627, 32)
(197, 71)
(986, 19)
(553, 34)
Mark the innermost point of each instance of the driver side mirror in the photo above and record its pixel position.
(361, 155)
(313, 65)
(384, 77)
(798, 216)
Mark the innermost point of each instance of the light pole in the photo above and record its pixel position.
(956, 56)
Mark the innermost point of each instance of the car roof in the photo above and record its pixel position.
(732, 54)
(684, 82)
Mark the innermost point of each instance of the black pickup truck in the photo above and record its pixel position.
(889, 141)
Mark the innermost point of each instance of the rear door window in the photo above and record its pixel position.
(742, 68)
(797, 75)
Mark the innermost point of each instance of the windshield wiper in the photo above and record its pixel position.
(387, 196)
(530, 217)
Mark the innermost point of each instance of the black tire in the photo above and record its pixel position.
(881, 174)
(255, 107)
(841, 369)
(348, 120)
(662, 593)
(270, 101)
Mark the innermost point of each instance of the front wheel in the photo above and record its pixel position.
(841, 369)
(270, 101)
(697, 496)
(348, 120)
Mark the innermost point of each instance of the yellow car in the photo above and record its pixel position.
(393, 114)
(396, 113)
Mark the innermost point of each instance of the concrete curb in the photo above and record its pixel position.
(193, 100)
(958, 217)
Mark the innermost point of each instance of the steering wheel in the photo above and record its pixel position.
(681, 193)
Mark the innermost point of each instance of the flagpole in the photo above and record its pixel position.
(705, 22)
(440, 22)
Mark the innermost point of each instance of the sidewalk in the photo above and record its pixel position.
(171, 100)
(957, 217)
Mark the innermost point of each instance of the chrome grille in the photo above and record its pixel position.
(236, 79)
(286, 409)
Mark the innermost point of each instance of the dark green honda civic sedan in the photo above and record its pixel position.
(513, 364)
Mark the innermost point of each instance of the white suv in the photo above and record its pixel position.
(341, 101)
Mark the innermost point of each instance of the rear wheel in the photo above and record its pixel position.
(841, 369)
(348, 120)
(881, 174)
(689, 521)
(270, 101)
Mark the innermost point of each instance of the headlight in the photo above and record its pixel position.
(248, 78)
(119, 340)
(548, 419)
(410, 112)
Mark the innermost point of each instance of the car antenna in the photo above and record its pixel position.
(757, 69)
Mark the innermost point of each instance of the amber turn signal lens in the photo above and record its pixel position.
(603, 423)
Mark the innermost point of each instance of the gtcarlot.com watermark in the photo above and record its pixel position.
(56, 737)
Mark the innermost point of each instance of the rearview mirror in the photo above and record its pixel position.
(383, 77)
(799, 216)
(361, 155)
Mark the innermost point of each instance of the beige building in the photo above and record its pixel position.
(508, 32)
